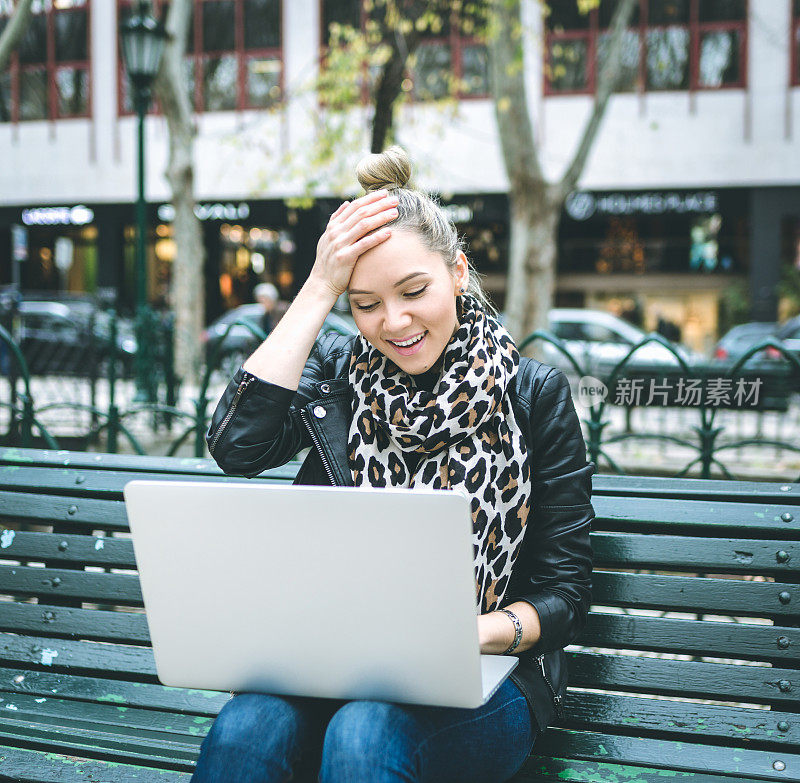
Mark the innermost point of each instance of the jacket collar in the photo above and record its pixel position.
(328, 418)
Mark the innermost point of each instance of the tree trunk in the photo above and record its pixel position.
(187, 295)
(14, 30)
(532, 262)
(536, 204)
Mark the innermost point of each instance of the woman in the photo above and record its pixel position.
(431, 392)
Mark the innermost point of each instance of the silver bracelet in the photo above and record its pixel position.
(517, 630)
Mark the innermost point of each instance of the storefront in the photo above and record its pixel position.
(695, 260)
(668, 260)
(81, 248)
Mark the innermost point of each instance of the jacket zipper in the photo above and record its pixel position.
(317, 445)
(557, 700)
(229, 415)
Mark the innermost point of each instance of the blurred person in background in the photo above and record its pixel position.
(268, 297)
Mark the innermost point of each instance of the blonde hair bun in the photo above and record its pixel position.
(390, 169)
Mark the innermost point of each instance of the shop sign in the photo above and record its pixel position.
(217, 211)
(58, 216)
(458, 213)
(581, 205)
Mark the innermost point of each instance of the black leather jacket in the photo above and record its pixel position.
(258, 425)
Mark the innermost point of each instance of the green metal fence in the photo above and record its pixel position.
(777, 382)
(35, 409)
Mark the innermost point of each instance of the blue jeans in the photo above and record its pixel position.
(260, 738)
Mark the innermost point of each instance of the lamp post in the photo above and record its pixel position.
(143, 39)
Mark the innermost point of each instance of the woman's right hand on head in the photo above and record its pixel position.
(348, 236)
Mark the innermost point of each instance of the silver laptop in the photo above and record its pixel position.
(338, 592)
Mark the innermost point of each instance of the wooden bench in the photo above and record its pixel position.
(654, 694)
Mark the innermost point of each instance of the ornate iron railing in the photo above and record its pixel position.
(705, 439)
(36, 410)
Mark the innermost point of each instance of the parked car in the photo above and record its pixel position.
(789, 335)
(599, 340)
(68, 337)
(241, 342)
(740, 339)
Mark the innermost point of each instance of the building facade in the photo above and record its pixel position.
(689, 206)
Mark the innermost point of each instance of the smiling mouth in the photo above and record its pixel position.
(408, 343)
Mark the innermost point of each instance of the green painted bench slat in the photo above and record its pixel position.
(694, 594)
(80, 657)
(682, 553)
(145, 726)
(88, 513)
(669, 754)
(738, 641)
(719, 555)
(652, 515)
(554, 770)
(118, 692)
(78, 738)
(720, 681)
(70, 623)
(730, 640)
(759, 729)
(680, 488)
(84, 483)
(35, 766)
(89, 585)
(128, 462)
(642, 591)
(109, 551)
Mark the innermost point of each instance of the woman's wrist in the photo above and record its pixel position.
(319, 290)
(496, 630)
(281, 358)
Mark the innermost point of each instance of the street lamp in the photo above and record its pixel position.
(143, 39)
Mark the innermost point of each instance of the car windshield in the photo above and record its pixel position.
(588, 332)
(790, 330)
(749, 332)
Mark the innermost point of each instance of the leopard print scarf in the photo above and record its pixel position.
(465, 434)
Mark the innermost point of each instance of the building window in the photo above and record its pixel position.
(796, 42)
(48, 74)
(234, 57)
(453, 51)
(669, 45)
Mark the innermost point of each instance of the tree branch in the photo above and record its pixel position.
(607, 82)
(14, 30)
(170, 83)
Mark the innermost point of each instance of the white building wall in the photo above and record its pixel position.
(710, 138)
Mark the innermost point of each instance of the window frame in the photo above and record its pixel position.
(198, 57)
(51, 67)
(456, 40)
(696, 28)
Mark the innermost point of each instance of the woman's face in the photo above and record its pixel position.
(401, 291)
